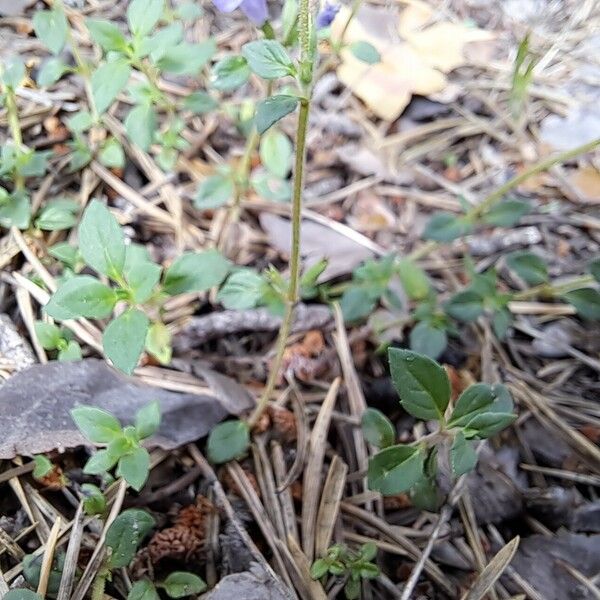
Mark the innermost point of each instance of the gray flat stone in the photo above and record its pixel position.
(35, 405)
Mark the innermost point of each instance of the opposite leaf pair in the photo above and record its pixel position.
(424, 389)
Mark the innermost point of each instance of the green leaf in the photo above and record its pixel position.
(47, 334)
(368, 551)
(142, 280)
(143, 590)
(425, 494)
(528, 266)
(268, 59)
(81, 296)
(421, 383)
(188, 11)
(273, 109)
(80, 122)
(13, 71)
(140, 125)
(123, 340)
(15, 211)
(196, 272)
(125, 534)
(356, 303)
(214, 191)
(100, 463)
(414, 279)
(594, 268)
(94, 501)
(445, 227)
(101, 240)
(157, 44)
(501, 321)
(377, 428)
(107, 81)
(365, 52)
(187, 59)
(395, 469)
(242, 290)
(483, 410)
(352, 589)
(465, 306)
(463, 457)
(96, 424)
(507, 213)
(65, 253)
(276, 152)
(230, 73)
(158, 343)
(428, 339)
(200, 103)
(180, 584)
(143, 15)
(227, 441)
(112, 155)
(21, 594)
(147, 420)
(52, 70)
(106, 35)
(71, 352)
(586, 301)
(134, 468)
(42, 466)
(319, 568)
(57, 215)
(51, 28)
(270, 187)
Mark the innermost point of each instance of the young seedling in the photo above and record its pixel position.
(52, 337)
(137, 288)
(121, 445)
(424, 388)
(349, 565)
(177, 585)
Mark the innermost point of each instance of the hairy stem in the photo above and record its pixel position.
(292, 294)
(491, 199)
(549, 290)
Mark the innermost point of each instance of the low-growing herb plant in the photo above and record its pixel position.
(178, 584)
(136, 285)
(423, 386)
(121, 446)
(350, 565)
(52, 337)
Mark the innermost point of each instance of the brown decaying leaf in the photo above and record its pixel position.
(414, 59)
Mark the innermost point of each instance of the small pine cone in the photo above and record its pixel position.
(192, 518)
(284, 423)
(179, 543)
(262, 424)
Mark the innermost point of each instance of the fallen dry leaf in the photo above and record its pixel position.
(587, 182)
(415, 55)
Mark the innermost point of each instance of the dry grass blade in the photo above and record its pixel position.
(48, 558)
(4, 589)
(284, 495)
(315, 588)
(312, 472)
(492, 572)
(70, 566)
(330, 504)
(11, 546)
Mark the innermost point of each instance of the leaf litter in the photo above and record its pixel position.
(549, 361)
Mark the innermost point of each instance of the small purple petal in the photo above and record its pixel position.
(255, 10)
(227, 6)
(327, 15)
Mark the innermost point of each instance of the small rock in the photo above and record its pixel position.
(255, 584)
(13, 348)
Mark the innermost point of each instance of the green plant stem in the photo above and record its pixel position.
(268, 30)
(99, 584)
(353, 11)
(550, 291)
(544, 165)
(292, 294)
(491, 199)
(15, 130)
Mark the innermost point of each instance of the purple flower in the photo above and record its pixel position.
(327, 15)
(255, 10)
